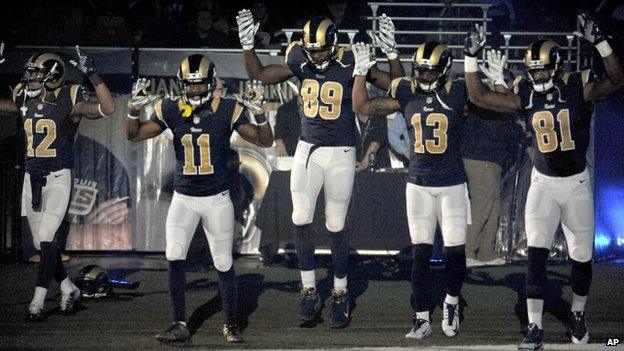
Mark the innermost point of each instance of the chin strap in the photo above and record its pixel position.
(428, 86)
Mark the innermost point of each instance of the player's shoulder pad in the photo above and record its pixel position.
(76, 91)
(398, 84)
(518, 83)
(345, 56)
(294, 53)
(18, 91)
(237, 112)
(160, 106)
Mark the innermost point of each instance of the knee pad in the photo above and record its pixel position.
(335, 224)
(175, 251)
(222, 262)
(301, 217)
(582, 253)
(456, 236)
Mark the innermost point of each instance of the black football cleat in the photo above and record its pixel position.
(232, 334)
(68, 302)
(310, 308)
(177, 333)
(35, 313)
(534, 339)
(579, 333)
(340, 316)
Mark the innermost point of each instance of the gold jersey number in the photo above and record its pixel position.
(545, 135)
(46, 126)
(203, 143)
(433, 146)
(330, 94)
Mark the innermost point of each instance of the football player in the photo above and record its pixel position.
(325, 153)
(202, 123)
(51, 112)
(436, 191)
(558, 109)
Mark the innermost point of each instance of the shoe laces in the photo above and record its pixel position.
(339, 296)
(449, 312)
(230, 329)
(309, 293)
(578, 316)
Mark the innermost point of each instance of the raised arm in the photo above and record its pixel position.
(386, 42)
(106, 105)
(137, 130)
(6, 105)
(614, 77)
(260, 133)
(255, 70)
(477, 92)
(362, 104)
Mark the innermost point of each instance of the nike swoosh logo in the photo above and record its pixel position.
(346, 150)
(582, 181)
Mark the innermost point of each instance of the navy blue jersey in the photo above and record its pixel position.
(49, 127)
(328, 118)
(560, 120)
(201, 142)
(434, 122)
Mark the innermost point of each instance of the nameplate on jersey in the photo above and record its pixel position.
(549, 107)
(428, 109)
(196, 130)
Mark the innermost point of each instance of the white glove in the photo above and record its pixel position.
(140, 95)
(363, 59)
(253, 96)
(246, 29)
(496, 62)
(385, 38)
(1, 53)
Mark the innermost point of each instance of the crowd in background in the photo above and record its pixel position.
(211, 23)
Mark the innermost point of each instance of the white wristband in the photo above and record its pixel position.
(100, 109)
(470, 64)
(604, 48)
(247, 47)
(392, 55)
(132, 117)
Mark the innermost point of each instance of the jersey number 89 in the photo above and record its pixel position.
(330, 94)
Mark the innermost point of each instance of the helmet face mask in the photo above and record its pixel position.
(320, 42)
(196, 79)
(542, 63)
(431, 65)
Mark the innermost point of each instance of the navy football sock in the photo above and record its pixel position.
(228, 289)
(305, 249)
(177, 289)
(455, 269)
(340, 253)
(422, 277)
(49, 254)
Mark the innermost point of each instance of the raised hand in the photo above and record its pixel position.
(475, 41)
(495, 67)
(590, 30)
(1, 53)
(140, 95)
(246, 29)
(385, 38)
(253, 96)
(363, 59)
(84, 63)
